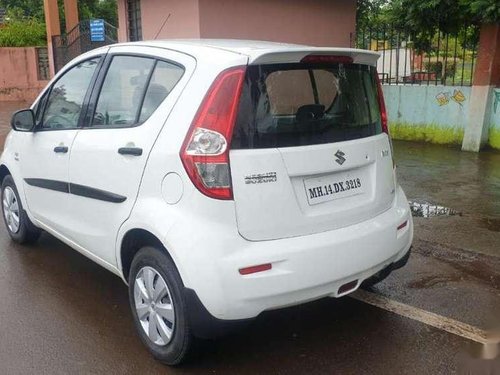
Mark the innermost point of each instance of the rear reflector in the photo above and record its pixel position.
(402, 225)
(327, 59)
(255, 269)
(347, 287)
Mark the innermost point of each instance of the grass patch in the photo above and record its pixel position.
(426, 133)
(494, 138)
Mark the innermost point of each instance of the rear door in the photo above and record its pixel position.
(136, 92)
(309, 152)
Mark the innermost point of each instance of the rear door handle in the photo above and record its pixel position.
(61, 149)
(135, 151)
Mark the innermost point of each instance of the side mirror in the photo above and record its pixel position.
(23, 120)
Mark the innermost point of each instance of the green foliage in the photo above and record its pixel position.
(103, 9)
(22, 33)
(87, 9)
(486, 11)
(494, 138)
(20, 9)
(437, 68)
(371, 13)
(427, 16)
(432, 133)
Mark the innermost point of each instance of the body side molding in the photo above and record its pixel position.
(76, 189)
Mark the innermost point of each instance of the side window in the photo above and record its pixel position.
(123, 90)
(65, 100)
(163, 80)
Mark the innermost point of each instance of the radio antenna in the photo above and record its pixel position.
(161, 28)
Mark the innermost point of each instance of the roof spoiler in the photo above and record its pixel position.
(358, 56)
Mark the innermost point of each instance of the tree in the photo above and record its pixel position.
(448, 16)
(485, 11)
(23, 8)
(33, 9)
(104, 9)
(424, 16)
(369, 13)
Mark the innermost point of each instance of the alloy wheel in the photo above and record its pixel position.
(154, 306)
(11, 209)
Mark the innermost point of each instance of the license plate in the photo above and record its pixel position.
(328, 188)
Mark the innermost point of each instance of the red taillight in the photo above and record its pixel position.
(327, 59)
(205, 151)
(383, 116)
(381, 104)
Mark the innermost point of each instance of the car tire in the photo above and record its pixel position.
(17, 222)
(151, 261)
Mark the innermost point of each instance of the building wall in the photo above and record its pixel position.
(182, 23)
(436, 114)
(183, 19)
(494, 122)
(122, 20)
(19, 74)
(313, 22)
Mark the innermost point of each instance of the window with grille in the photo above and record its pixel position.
(134, 20)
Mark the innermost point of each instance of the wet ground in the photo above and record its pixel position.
(60, 313)
(467, 184)
(6, 110)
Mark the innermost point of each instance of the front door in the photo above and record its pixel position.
(109, 154)
(44, 157)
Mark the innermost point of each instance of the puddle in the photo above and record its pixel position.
(425, 209)
(433, 280)
(491, 224)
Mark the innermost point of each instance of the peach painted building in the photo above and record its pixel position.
(313, 22)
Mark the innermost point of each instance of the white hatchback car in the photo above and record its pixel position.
(218, 178)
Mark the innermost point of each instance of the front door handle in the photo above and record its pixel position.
(135, 151)
(61, 149)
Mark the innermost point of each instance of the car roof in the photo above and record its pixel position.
(258, 52)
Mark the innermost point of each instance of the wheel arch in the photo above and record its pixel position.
(4, 171)
(14, 172)
(133, 240)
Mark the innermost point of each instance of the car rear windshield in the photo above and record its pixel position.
(287, 105)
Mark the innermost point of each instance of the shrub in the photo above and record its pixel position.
(437, 67)
(23, 33)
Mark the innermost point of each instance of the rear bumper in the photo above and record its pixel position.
(303, 268)
(204, 325)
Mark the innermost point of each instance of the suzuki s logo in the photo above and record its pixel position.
(340, 157)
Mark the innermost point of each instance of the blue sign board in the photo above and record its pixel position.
(97, 30)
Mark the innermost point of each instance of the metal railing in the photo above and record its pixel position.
(431, 59)
(77, 41)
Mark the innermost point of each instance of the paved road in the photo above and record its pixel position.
(60, 313)
(466, 182)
